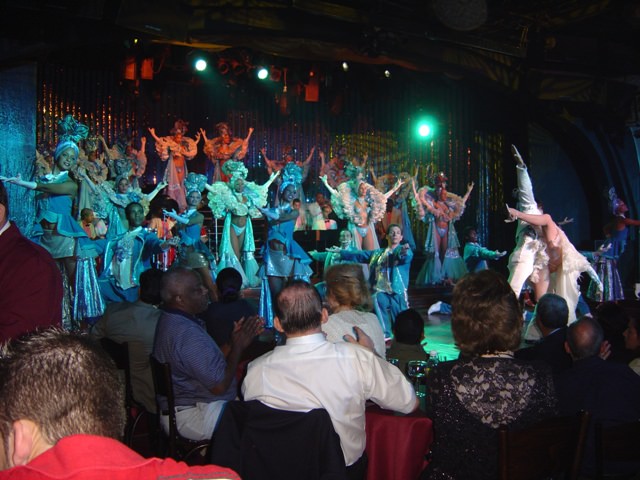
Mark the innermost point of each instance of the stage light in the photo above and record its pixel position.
(200, 64)
(387, 74)
(263, 73)
(426, 127)
(345, 66)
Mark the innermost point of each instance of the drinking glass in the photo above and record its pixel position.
(393, 361)
(416, 371)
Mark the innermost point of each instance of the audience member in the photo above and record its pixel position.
(30, 281)
(486, 388)
(135, 323)
(632, 342)
(608, 390)
(551, 317)
(203, 380)
(310, 372)
(62, 414)
(221, 316)
(407, 342)
(350, 305)
(613, 320)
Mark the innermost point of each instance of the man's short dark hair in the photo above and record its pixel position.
(409, 327)
(150, 285)
(584, 338)
(63, 382)
(229, 282)
(298, 307)
(552, 311)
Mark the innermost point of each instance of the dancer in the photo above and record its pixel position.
(475, 255)
(565, 263)
(529, 259)
(334, 170)
(127, 256)
(91, 162)
(238, 202)
(441, 209)
(176, 149)
(397, 211)
(284, 259)
(329, 258)
(389, 276)
(223, 148)
(124, 159)
(287, 157)
(361, 204)
(606, 259)
(192, 252)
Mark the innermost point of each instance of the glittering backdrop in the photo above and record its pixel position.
(17, 142)
(377, 120)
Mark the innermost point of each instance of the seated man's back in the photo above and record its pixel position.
(308, 372)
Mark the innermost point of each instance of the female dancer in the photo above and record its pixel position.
(176, 149)
(440, 209)
(606, 258)
(397, 211)
(192, 252)
(283, 258)
(238, 202)
(361, 204)
(274, 166)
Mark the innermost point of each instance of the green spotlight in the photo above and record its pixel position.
(200, 64)
(263, 73)
(425, 127)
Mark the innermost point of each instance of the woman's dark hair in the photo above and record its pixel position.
(229, 282)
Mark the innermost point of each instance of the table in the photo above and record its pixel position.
(397, 444)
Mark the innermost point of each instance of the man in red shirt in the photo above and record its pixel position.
(62, 415)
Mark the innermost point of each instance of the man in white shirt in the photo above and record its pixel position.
(309, 372)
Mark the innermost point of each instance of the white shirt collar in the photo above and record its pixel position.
(5, 227)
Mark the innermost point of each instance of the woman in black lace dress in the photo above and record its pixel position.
(470, 398)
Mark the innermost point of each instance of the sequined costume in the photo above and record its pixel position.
(452, 267)
(125, 258)
(606, 265)
(226, 202)
(292, 262)
(389, 279)
(192, 251)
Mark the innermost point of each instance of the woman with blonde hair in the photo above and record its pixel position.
(350, 306)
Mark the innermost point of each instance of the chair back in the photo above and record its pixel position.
(179, 447)
(264, 443)
(618, 443)
(550, 447)
(119, 353)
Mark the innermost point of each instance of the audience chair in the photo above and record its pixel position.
(178, 447)
(119, 352)
(547, 449)
(620, 444)
(264, 443)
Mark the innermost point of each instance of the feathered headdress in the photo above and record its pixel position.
(195, 182)
(353, 171)
(91, 143)
(235, 169)
(614, 200)
(291, 174)
(70, 132)
(180, 126)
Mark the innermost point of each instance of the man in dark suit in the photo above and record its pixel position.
(609, 391)
(552, 314)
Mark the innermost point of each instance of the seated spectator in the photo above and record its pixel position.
(310, 372)
(221, 316)
(350, 304)
(203, 379)
(608, 390)
(135, 323)
(408, 336)
(613, 320)
(62, 414)
(551, 317)
(486, 388)
(632, 342)
(30, 281)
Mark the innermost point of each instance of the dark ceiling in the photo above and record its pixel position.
(500, 41)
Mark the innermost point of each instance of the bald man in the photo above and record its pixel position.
(203, 379)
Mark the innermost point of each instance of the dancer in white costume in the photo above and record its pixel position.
(238, 201)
